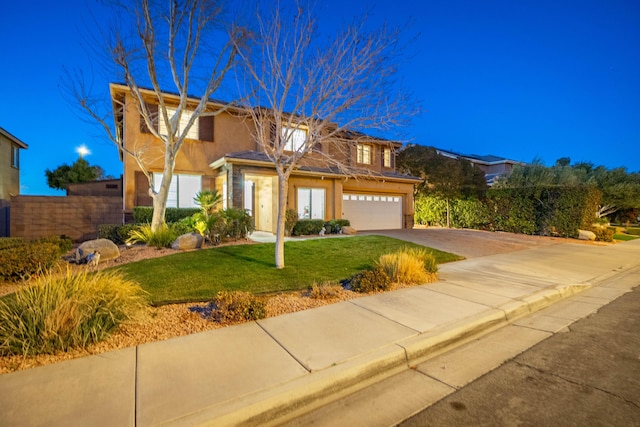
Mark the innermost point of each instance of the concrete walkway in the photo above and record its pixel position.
(268, 371)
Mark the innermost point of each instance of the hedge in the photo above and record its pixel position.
(21, 262)
(305, 227)
(144, 214)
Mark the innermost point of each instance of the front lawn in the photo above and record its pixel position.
(199, 275)
(624, 237)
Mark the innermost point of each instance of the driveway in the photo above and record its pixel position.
(470, 243)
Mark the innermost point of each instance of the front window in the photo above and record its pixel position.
(184, 120)
(386, 158)
(294, 138)
(364, 154)
(182, 190)
(311, 203)
(15, 156)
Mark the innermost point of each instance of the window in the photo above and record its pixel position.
(364, 154)
(15, 156)
(294, 138)
(182, 190)
(184, 120)
(311, 203)
(386, 158)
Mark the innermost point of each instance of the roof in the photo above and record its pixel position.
(488, 159)
(260, 158)
(13, 138)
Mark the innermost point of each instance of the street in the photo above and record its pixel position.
(588, 376)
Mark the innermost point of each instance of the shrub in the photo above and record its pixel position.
(144, 214)
(237, 306)
(603, 234)
(162, 238)
(63, 243)
(326, 290)
(430, 210)
(291, 218)
(117, 233)
(375, 280)
(67, 310)
(335, 225)
(10, 242)
(305, 227)
(22, 262)
(634, 231)
(406, 267)
(238, 223)
(427, 258)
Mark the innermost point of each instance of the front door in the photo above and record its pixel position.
(260, 193)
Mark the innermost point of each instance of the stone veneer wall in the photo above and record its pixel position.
(76, 217)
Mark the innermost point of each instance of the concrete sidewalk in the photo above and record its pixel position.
(268, 371)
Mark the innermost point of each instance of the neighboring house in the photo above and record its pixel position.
(492, 166)
(224, 155)
(10, 147)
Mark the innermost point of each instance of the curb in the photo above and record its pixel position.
(276, 405)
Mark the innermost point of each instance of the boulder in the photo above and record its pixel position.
(586, 235)
(347, 229)
(108, 250)
(188, 241)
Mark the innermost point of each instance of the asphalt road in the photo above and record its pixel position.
(589, 376)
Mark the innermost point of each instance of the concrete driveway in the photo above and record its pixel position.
(470, 243)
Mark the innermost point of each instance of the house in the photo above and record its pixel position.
(10, 147)
(492, 166)
(223, 154)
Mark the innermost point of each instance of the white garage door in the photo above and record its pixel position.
(372, 211)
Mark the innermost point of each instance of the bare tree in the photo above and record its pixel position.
(186, 45)
(299, 82)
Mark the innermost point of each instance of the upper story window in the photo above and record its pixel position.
(386, 158)
(294, 138)
(184, 120)
(364, 154)
(15, 156)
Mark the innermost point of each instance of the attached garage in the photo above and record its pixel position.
(372, 211)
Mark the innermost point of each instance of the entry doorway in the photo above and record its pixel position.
(260, 195)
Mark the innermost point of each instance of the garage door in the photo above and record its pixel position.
(372, 211)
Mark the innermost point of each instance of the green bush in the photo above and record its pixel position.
(237, 306)
(22, 262)
(238, 223)
(10, 242)
(430, 210)
(117, 233)
(306, 227)
(63, 243)
(375, 280)
(64, 311)
(291, 218)
(144, 214)
(469, 213)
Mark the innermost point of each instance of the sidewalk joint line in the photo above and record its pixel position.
(283, 347)
(135, 391)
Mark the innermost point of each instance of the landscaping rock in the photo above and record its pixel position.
(347, 229)
(108, 250)
(586, 235)
(188, 241)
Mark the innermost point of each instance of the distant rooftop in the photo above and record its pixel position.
(486, 159)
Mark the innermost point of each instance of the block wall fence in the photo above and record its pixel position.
(76, 217)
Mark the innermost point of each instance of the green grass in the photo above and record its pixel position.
(624, 237)
(199, 275)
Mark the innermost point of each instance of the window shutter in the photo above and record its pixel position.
(205, 128)
(153, 112)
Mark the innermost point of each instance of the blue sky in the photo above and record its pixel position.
(519, 79)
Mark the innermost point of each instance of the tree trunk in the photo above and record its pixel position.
(160, 200)
(283, 181)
